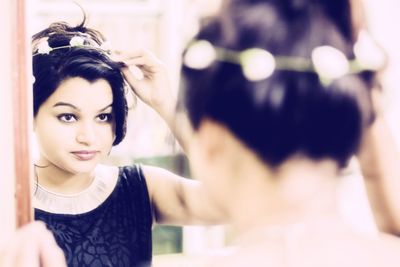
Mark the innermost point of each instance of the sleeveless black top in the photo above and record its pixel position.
(117, 233)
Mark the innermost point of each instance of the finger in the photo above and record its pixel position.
(119, 57)
(144, 63)
(139, 61)
(29, 238)
(138, 68)
(7, 256)
(141, 72)
(23, 248)
(28, 252)
(123, 55)
(138, 57)
(133, 82)
(50, 253)
(137, 73)
(130, 52)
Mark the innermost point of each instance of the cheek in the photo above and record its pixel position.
(51, 144)
(106, 134)
(53, 134)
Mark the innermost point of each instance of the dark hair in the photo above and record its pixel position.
(86, 62)
(290, 112)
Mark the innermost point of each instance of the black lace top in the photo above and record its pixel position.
(117, 233)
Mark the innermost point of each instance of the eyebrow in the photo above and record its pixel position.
(110, 105)
(60, 104)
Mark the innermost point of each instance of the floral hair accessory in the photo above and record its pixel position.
(200, 55)
(43, 47)
(329, 63)
(258, 64)
(77, 41)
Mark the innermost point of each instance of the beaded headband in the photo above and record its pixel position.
(43, 48)
(258, 64)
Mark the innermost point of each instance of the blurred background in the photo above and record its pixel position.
(165, 26)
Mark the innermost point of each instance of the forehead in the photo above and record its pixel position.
(83, 93)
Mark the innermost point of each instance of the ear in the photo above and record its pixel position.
(214, 139)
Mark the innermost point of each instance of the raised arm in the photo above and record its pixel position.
(176, 200)
(380, 164)
(149, 79)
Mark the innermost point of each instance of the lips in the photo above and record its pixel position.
(84, 155)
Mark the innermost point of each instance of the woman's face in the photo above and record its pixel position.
(75, 125)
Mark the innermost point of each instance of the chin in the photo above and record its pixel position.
(84, 167)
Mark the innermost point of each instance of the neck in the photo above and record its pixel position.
(61, 181)
(300, 191)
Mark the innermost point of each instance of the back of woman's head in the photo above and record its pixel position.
(56, 58)
(293, 111)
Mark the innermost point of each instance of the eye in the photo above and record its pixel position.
(67, 117)
(105, 117)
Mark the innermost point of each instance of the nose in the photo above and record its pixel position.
(86, 133)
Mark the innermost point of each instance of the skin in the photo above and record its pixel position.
(74, 129)
(283, 216)
(33, 245)
(379, 162)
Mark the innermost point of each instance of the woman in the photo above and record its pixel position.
(101, 215)
(278, 93)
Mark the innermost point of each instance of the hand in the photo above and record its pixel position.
(147, 76)
(32, 245)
